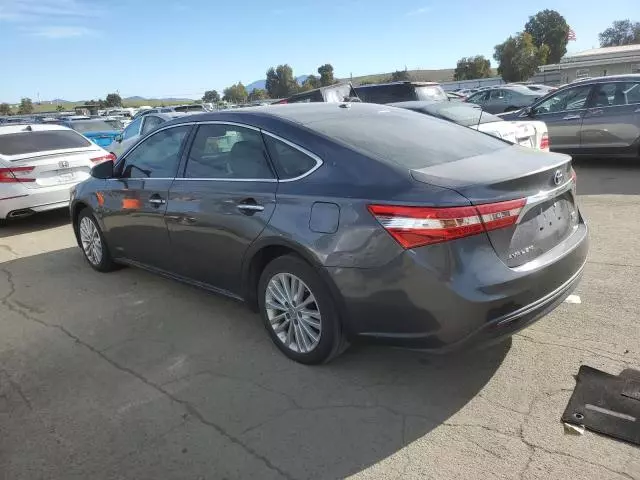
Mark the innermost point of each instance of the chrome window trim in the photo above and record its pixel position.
(313, 156)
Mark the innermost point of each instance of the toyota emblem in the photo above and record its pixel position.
(558, 177)
(63, 164)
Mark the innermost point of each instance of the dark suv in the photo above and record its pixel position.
(401, 92)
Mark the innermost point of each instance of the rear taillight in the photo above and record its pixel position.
(413, 227)
(544, 142)
(105, 158)
(16, 175)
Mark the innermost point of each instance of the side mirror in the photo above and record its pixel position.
(103, 170)
(119, 138)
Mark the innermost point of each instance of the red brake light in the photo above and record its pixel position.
(105, 158)
(417, 226)
(544, 142)
(16, 175)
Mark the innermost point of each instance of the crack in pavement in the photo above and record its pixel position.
(190, 409)
(612, 264)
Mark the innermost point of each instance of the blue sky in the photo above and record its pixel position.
(82, 49)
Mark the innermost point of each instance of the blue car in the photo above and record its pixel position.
(99, 131)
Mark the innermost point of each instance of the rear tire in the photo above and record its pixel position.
(92, 242)
(298, 311)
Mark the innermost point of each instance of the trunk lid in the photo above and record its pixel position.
(544, 179)
(57, 168)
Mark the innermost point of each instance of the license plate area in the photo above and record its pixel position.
(65, 175)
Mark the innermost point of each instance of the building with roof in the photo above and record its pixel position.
(596, 62)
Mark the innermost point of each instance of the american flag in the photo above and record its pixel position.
(571, 36)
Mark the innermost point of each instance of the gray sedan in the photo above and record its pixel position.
(505, 98)
(343, 221)
(595, 117)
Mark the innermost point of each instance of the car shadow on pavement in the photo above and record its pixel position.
(35, 223)
(607, 176)
(143, 377)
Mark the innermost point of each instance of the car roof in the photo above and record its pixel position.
(406, 82)
(296, 113)
(33, 127)
(608, 78)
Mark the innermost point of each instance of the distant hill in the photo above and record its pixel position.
(260, 84)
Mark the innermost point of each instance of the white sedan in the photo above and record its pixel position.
(532, 134)
(39, 164)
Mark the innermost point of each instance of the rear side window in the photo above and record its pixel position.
(23, 143)
(406, 138)
(289, 161)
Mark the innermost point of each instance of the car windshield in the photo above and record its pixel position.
(22, 143)
(115, 124)
(399, 136)
(84, 126)
(431, 92)
(465, 115)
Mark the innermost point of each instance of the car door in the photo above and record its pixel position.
(221, 203)
(563, 114)
(612, 121)
(135, 201)
(480, 98)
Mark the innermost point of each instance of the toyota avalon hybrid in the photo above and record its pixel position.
(344, 221)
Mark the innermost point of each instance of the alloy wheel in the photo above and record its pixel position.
(90, 239)
(293, 312)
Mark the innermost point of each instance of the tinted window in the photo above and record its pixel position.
(289, 161)
(479, 97)
(616, 94)
(570, 99)
(431, 92)
(132, 129)
(157, 156)
(150, 122)
(386, 93)
(414, 141)
(227, 151)
(91, 126)
(30, 142)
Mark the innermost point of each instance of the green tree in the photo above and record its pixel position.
(280, 82)
(470, 68)
(549, 28)
(310, 83)
(5, 109)
(519, 58)
(113, 100)
(26, 106)
(258, 94)
(400, 76)
(211, 96)
(236, 93)
(622, 32)
(326, 75)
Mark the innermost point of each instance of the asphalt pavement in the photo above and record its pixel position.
(130, 376)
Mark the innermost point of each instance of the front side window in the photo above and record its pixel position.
(479, 97)
(157, 156)
(132, 129)
(227, 152)
(289, 161)
(570, 99)
(497, 94)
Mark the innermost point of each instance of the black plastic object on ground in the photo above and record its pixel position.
(606, 404)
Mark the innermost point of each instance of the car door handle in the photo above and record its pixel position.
(572, 117)
(156, 200)
(249, 207)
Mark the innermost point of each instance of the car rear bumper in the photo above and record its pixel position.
(17, 200)
(448, 297)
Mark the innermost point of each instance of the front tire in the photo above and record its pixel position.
(93, 243)
(298, 311)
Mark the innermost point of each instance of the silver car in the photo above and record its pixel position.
(139, 127)
(505, 98)
(598, 116)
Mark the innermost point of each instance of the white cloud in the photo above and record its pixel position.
(33, 10)
(419, 11)
(61, 32)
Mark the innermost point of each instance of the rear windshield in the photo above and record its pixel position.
(465, 115)
(431, 92)
(189, 108)
(91, 126)
(31, 142)
(409, 139)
